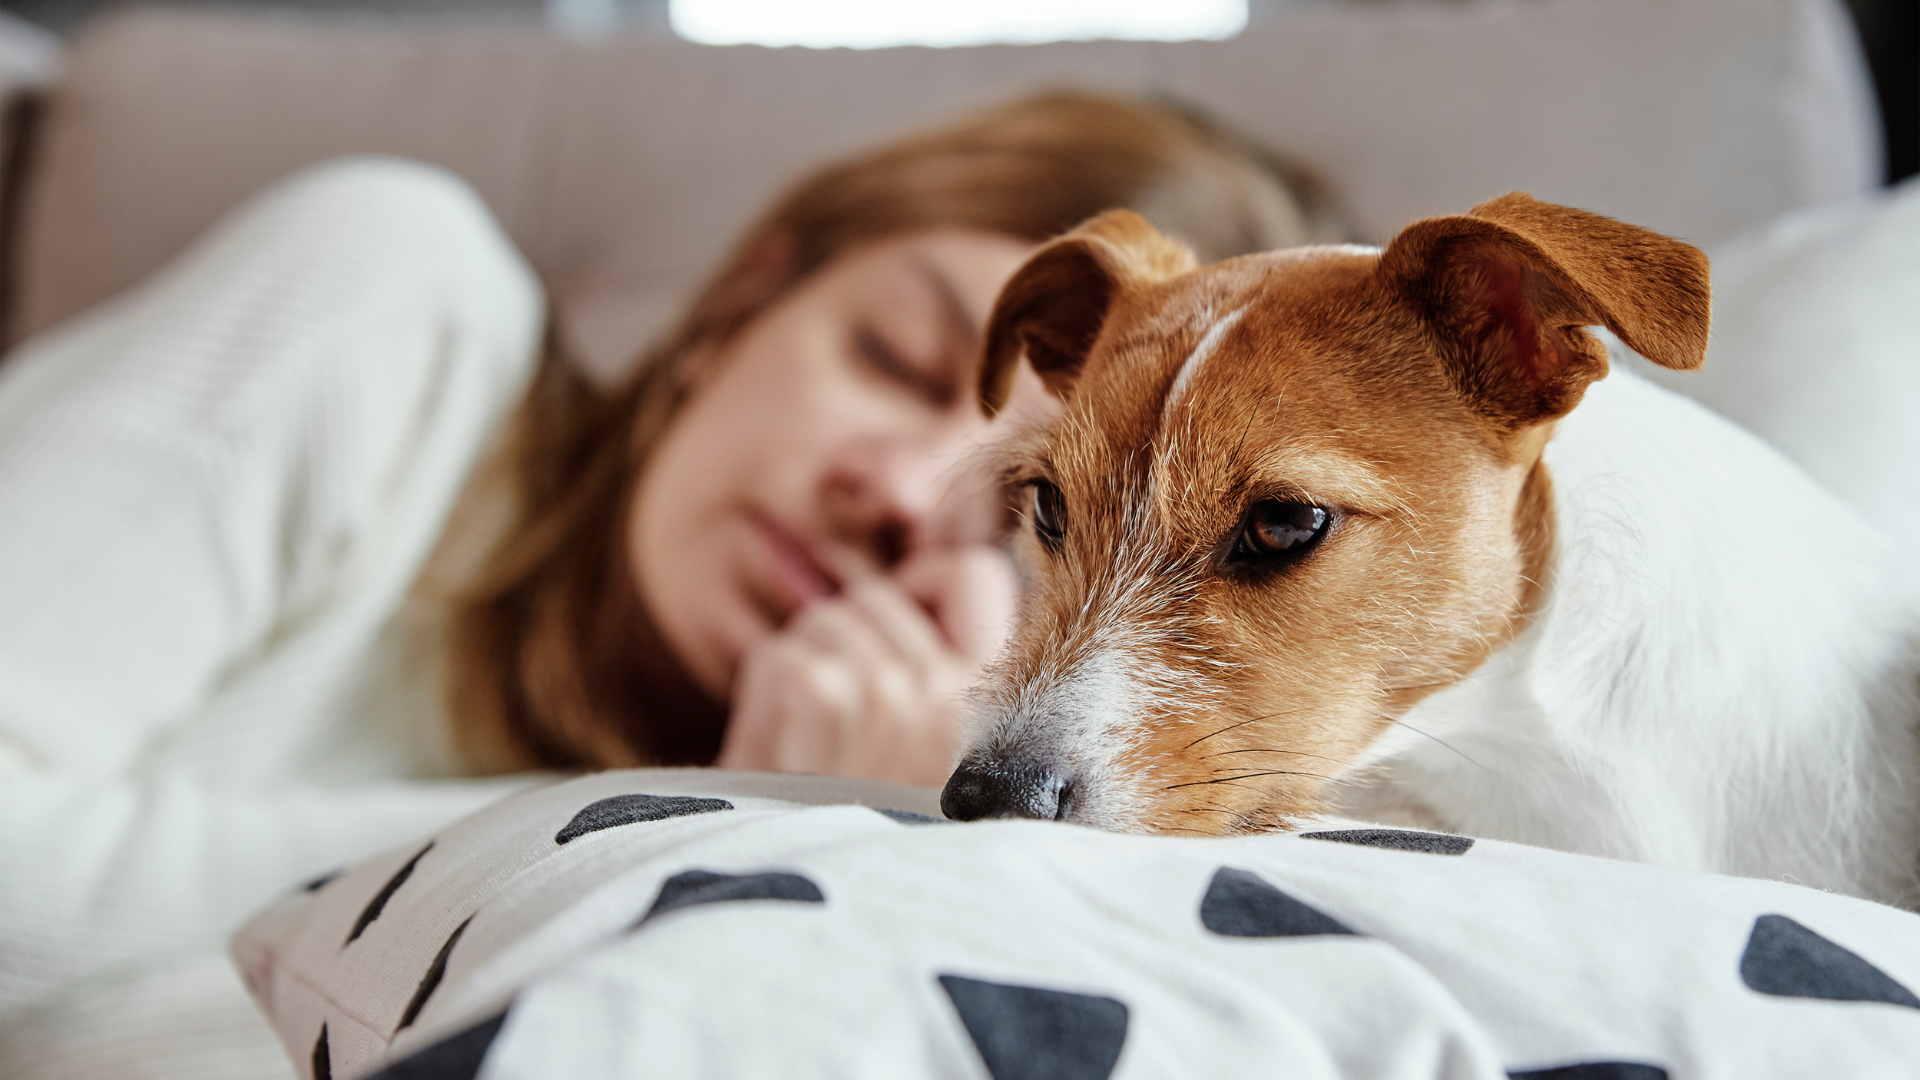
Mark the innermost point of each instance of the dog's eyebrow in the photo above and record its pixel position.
(1360, 484)
(1019, 455)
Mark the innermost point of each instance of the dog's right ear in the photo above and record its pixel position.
(1052, 308)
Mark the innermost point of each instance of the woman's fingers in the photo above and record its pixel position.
(972, 593)
(897, 667)
(851, 709)
(821, 695)
(902, 622)
(824, 694)
(791, 710)
(870, 683)
(838, 626)
(753, 726)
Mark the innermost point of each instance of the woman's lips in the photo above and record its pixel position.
(796, 571)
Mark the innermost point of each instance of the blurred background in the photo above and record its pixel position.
(1889, 30)
(621, 142)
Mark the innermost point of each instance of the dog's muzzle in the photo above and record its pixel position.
(992, 790)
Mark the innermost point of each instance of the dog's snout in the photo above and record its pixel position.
(990, 790)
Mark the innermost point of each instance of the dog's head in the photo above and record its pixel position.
(1289, 495)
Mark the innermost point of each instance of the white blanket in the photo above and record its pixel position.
(216, 495)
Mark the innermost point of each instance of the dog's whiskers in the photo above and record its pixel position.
(1220, 731)
(1427, 734)
(1295, 753)
(1233, 459)
(1240, 724)
(1247, 776)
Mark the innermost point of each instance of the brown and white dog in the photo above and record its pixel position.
(1323, 530)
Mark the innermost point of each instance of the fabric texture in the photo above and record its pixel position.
(776, 939)
(219, 491)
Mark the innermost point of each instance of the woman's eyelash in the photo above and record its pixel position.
(890, 362)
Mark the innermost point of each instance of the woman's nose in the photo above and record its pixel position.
(892, 495)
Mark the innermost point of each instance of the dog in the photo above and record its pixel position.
(1374, 532)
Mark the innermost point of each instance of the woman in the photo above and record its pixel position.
(222, 667)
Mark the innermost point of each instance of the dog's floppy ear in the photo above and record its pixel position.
(1052, 307)
(1508, 287)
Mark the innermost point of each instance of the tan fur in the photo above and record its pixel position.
(1052, 308)
(1411, 393)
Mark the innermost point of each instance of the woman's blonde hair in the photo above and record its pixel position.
(553, 661)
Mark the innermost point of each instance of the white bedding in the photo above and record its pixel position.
(216, 495)
(657, 923)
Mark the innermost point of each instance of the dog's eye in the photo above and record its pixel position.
(1276, 529)
(1049, 514)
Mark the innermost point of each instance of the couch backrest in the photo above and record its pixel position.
(622, 167)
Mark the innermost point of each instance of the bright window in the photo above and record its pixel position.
(873, 24)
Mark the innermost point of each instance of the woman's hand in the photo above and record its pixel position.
(870, 683)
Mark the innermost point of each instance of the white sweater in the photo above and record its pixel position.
(215, 495)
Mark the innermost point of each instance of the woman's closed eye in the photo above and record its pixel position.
(933, 383)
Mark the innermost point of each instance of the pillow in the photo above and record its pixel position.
(632, 924)
(1814, 348)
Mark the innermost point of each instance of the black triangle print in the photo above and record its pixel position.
(379, 902)
(322, 881)
(908, 817)
(691, 888)
(431, 980)
(1240, 904)
(1398, 840)
(322, 1056)
(1785, 959)
(456, 1057)
(1593, 1070)
(1026, 1033)
(620, 810)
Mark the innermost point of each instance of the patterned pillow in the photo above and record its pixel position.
(650, 924)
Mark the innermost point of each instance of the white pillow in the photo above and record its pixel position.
(1816, 349)
(641, 924)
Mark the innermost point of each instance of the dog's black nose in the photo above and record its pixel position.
(987, 790)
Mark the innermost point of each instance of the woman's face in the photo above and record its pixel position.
(824, 442)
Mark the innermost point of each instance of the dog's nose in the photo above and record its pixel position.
(987, 790)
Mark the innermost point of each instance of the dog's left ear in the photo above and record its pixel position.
(1508, 287)
(1053, 307)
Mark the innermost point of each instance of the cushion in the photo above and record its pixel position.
(1814, 346)
(622, 167)
(633, 924)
